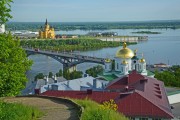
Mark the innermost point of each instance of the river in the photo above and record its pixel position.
(164, 47)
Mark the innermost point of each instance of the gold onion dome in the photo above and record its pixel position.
(107, 60)
(142, 60)
(124, 62)
(124, 52)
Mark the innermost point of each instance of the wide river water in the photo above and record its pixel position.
(164, 47)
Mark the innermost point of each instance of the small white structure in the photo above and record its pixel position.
(80, 84)
(2, 28)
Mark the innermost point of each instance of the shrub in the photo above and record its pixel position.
(94, 111)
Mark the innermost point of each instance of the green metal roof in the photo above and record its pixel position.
(173, 93)
(108, 77)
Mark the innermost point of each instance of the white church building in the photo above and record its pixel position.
(125, 61)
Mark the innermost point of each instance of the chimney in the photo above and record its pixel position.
(67, 83)
(94, 83)
(47, 79)
(55, 79)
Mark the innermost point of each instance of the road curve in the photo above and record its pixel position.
(54, 109)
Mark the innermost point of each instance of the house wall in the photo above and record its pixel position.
(174, 98)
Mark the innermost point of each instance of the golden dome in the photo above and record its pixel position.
(107, 60)
(142, 60)
(125, 52)
(124, 62)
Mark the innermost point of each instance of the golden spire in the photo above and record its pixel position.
(142, 60)
(124, 45)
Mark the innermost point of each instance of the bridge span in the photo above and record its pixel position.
(69, 60)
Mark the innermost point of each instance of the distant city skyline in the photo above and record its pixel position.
(94, 10)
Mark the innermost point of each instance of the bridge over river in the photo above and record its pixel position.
(69, 60)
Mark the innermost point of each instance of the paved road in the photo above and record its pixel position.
(54, 109)
(176, 110)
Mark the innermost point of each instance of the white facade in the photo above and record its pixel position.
(117, 64)
(108, 66)
(2, 28)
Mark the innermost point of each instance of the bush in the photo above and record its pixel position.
(94, 111)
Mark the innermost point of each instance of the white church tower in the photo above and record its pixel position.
(123, 54)
(108, 65)
(124, 67)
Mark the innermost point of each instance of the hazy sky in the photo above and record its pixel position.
(94, 10)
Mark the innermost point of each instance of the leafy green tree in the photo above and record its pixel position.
(4, 11)
(170, 77)
(39, 76)
(95, 71)
(50, 74)
(13, 66)
(60, 73)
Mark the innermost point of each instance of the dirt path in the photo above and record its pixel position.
(54, 109)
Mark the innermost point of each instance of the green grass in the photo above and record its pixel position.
(16, 111)
(93, 111)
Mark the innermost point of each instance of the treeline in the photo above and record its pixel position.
(35, 26)
(80, 44)
(95, 71)
(170, 77)
(66, 74)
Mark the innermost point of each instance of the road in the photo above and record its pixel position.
(54, 109)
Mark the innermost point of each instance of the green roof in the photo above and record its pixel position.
(149, 73)
(108, 77)
(173, 93)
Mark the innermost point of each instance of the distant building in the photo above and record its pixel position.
(161, 65)
(47, 32)
(2, 28)
(24, 34)
(66, 36)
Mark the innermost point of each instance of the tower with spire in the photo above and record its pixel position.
(47, 32)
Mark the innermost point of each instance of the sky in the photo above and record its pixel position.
(94, 10)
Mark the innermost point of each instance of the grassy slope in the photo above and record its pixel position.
(16, 111)
(93, 111)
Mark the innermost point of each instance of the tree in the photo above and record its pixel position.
(60, 73)
(4, 11)
(39, 76)
(50, 74)
(13, 65)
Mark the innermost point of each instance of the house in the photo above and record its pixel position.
(80, 84)
(138, 97)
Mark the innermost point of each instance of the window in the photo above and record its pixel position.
(117, 66)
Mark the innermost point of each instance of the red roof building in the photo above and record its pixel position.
(137, 96)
